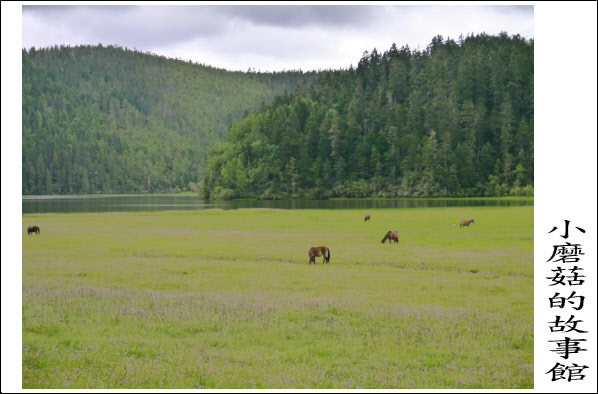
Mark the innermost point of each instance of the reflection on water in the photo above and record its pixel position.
(182, 202)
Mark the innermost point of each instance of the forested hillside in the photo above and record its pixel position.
(110, 120)
(455, 119)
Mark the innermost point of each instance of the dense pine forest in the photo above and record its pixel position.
(111, 120)
(455, 119)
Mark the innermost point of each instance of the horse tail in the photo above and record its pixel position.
(328, 258)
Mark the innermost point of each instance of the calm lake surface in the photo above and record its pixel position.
(189, 202)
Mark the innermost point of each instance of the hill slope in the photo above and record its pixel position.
(453, 120)
(110, 120)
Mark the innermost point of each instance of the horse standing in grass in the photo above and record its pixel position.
(318, 251)
(367, 218)
(466, 222)
(33, 229)
(392, 236)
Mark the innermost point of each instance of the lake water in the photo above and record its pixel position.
(189, 202)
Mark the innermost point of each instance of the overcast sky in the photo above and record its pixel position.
(266, 37)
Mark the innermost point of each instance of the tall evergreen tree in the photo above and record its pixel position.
(452, 120)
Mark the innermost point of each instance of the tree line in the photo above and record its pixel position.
(105, 119)
(453, 120)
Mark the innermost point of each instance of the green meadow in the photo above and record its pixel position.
(226, 299)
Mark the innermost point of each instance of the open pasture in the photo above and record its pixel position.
(227, 299)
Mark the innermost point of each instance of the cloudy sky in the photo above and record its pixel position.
(267, 37)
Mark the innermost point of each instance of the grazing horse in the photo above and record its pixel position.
(318, 251)
(367, 217)
(33, 229)
(392, 235)
(466, 222)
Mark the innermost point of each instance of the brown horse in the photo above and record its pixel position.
(392, 235)
(33, 229)
(367, 217)
(318, 251)
(466, 222)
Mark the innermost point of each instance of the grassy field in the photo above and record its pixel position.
(226, 299)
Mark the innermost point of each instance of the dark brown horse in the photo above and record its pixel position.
(318, 251)
(367, 217)
(392, 235)
(33, 229)
(466, 222)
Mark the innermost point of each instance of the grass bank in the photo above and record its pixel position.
(226, 299)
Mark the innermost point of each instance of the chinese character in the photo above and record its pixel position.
(568, 346)
(567, 230)
(558, 372)
(559, 278)
(559, 302)
(569, 253)
(571, 324)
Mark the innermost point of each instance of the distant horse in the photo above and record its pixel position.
(392, 235)
(318, 251)
(367, 217)
(33, 229)
(466, 222)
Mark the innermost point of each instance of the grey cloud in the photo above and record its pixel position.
(264, 34)
(158, 25)
(513, 9)
(300, 15)
(133, 26)
(269, 15)
(57, 9)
